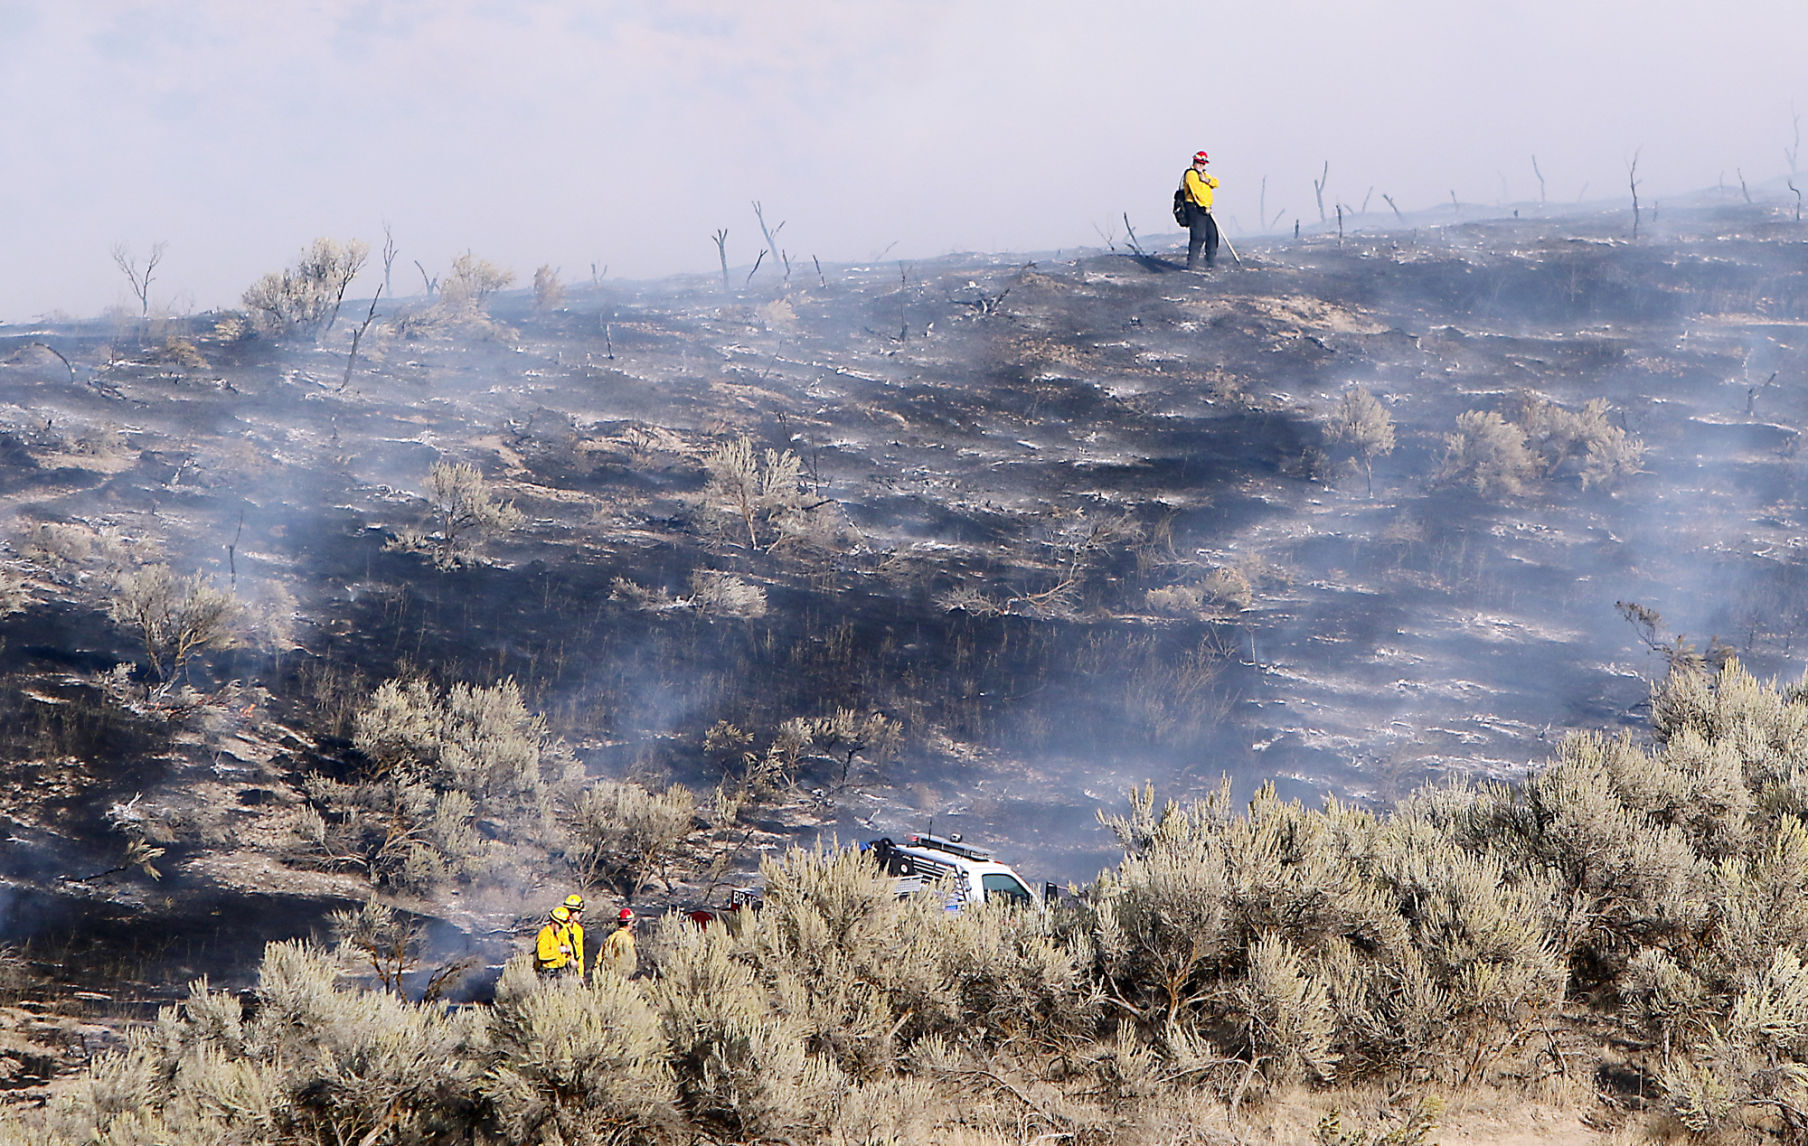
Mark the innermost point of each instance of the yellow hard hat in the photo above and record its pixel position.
(560, 914)
(574, 901)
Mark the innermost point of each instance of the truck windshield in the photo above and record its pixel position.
(1000, 886)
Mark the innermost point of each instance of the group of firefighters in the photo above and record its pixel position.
(559, 948)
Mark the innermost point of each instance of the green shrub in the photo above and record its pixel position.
(1752, 1060)
(315, 1063)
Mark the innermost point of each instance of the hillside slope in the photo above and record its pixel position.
(1069, 523)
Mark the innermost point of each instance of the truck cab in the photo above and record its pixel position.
(960, 872)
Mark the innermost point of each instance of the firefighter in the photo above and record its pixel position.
(574, 906)
(1202, 229)
(618, 950)
(552, 948)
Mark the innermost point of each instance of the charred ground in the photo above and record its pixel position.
(1005, 456)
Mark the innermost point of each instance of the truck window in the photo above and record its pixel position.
(1000, 886)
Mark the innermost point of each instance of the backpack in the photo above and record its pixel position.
(1181, 199)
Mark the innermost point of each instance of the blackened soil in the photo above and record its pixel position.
(1095, 535)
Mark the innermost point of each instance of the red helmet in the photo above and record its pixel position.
(1201, 157)
(625, 915)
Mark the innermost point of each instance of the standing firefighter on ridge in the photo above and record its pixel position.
(1196, 188)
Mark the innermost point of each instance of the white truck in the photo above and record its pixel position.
(961, 873)
(937, 865)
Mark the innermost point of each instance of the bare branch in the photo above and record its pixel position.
(389, 255)
(351, 359)
(140, 279)
(721, 238)
(1633, 182)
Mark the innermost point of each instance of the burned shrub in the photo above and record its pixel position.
(174, 618)
(305, 298)
(1487, 453)
(1361, 425)
(462, 514)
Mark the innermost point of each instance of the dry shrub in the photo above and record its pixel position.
(1487, 453)
(462, 514)
(438, 762)
(1361, 424)
(463, 292)
(471, 281)
(577, 1064)
(1222, 589)
(174, 618)
(548, 291)
(624, 834)
(70, 552)
(725, 595)
(1499, 457)
(762, 498)
(638, 596)
(305, 298)
(1583, 441)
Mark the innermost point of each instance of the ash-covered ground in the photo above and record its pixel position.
(1075, 522)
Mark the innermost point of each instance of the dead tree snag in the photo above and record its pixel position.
(721, 238)
(1633, 183)
(140, 279)
(770, 233)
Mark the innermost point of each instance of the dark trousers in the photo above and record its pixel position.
(1202, 236)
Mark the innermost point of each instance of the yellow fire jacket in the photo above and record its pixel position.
(1200, 187)
(618, 953)
(557, 947)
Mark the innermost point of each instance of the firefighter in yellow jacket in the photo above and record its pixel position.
(618, 950)
(1202, 229)
(560, 944)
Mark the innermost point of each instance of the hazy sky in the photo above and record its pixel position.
(625, 133)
